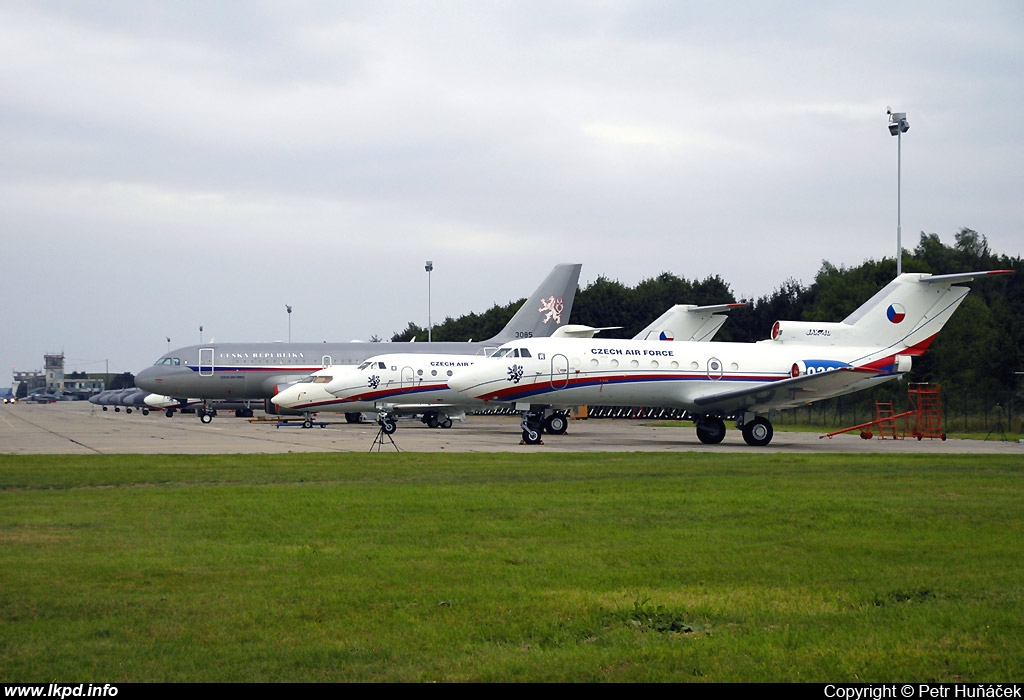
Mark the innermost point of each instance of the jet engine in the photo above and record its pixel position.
(812, 332)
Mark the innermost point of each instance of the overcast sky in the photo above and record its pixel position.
(171, 165)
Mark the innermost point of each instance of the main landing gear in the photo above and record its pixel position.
(436, 419)
(757, 431)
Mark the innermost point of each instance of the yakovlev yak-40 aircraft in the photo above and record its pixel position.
(256, 371)
(801, 363)
(407, 384)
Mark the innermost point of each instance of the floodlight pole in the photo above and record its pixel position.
(899, 202)
(898, 124)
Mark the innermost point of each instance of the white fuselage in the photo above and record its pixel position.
(382, 382)
(556, 372)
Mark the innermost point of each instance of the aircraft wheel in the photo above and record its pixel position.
(531, 437)
(388, 426)
(446, 423)
(758, 432)
(307, 423)
(128, 410)
(145, 411)
(353, 417)
(556, 424)
(710, 430)
(431, 420)
(169, 412)
(205, 418)
(104, 408)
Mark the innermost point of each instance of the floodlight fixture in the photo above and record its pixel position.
(898, 125)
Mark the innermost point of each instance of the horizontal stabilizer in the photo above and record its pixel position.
(961, 276)
(578, 331)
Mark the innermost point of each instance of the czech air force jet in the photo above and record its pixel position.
(256, 371)
(391, 385)
(801, 362)
(397, 384)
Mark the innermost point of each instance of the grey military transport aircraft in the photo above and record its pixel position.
(255, 371)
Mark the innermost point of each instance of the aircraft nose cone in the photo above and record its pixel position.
(146, 379)
(464, 380)
(287, 398)
(154, 378)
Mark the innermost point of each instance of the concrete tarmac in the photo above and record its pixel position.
(79, 427)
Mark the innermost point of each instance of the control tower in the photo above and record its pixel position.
(53, 365)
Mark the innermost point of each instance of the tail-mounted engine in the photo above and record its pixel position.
(810, 332)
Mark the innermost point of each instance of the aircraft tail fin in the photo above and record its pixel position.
(547, 309)
(904, 316)
(687, 322)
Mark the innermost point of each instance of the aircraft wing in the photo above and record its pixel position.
(790, 393)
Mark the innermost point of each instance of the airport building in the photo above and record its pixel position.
(52, 378)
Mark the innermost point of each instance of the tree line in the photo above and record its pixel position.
(976, 359)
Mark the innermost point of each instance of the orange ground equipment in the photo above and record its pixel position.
(923, 399)
(922, 402)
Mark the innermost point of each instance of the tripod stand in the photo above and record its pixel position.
(1000, 409)
(378, 441)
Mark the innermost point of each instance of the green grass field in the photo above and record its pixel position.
(504, 567)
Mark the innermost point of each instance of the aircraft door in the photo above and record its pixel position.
(325, 361)
(559, 371)
(205, 362)
(408, 376)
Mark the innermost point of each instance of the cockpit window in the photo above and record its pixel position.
(502, 352)
(321, 379)
(374, 365)
(172, 361)
(523, 352)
